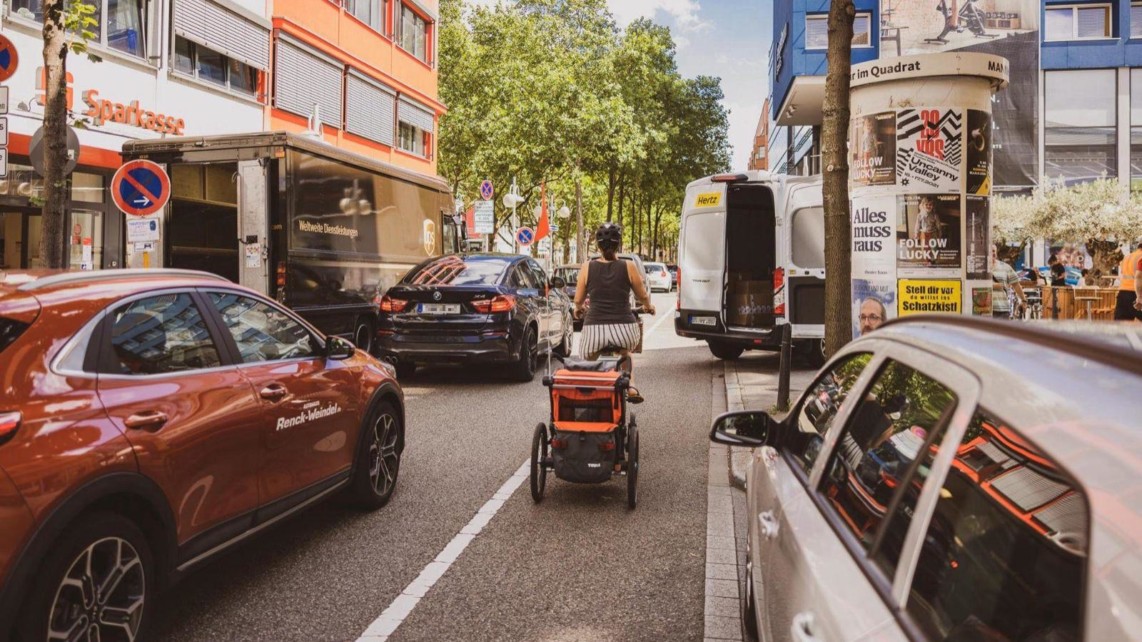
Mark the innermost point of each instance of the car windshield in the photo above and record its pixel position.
(10, 330)
(457, 270)
(654, 268)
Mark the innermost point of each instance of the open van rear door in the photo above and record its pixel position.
(702, 248)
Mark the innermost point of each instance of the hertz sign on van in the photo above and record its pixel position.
(709, 199)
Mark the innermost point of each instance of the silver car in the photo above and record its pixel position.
(952, 479)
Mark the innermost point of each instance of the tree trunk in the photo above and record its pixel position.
(581, 240)
(834, 156)
(610, 194)
(55, 136)
(622, 197)
(1105, 255)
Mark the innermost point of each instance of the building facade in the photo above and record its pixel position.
(759, 155)
(143, 87)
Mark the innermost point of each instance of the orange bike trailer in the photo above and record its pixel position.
(586, 409)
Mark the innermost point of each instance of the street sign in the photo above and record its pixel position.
(487, 191)
(9, 59)
(525, 236)
(141, 188)
(554, 228)
(484, 213)
(3, 162)
(3, 131)
(141, 230)
(36, 151)
(3, 100)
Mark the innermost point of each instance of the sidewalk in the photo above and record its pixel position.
(751, 384)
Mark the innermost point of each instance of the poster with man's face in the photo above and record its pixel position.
(872, 145)
(928, 235)
(874, 302)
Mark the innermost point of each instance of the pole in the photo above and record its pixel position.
(515, 219)
(578, 222)
(783, 372)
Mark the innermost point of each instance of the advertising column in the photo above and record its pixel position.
(920, 176)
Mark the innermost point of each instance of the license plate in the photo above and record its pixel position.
(703, 321)
(438, 308)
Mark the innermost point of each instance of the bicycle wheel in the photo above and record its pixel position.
(632, 465)
(539, 446)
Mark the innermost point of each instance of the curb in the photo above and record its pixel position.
(738, 458)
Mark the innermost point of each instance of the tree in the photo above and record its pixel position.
(834, 158)
(66, 28)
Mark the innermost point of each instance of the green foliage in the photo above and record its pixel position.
(79, 20)
(552, 90)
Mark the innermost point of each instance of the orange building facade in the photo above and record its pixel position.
(759, 155)
(365, 69)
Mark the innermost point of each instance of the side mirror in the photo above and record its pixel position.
(339, 349)
(558, 283)
(750, 428)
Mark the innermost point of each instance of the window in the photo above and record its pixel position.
(370, 12)
(210, 66)
(1078, 22)
(1005, 552)
(262, 332)
(122, 23)
(1136, 20)
(888, 435)
(809, 238)
(1080, 124)
(412, 139)
(453, 270)
(159, 335)
(1136, 128)
(819, 408)
(817, 31)
(413, 33)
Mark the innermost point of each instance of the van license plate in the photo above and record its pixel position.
(439, 308)
(703, 321)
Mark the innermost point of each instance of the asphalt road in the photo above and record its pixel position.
(578, 566)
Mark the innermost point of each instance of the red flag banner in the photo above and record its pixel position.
(543, 226)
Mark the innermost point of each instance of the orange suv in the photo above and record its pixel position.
(150, 419)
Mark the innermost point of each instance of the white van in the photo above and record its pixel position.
(751, 257)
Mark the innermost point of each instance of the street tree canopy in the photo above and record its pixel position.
(555, 91)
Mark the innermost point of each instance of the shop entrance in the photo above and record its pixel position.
(20, 231)
(202, 228)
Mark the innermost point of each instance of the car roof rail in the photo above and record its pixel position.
(69, 278)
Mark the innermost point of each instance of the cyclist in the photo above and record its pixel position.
(609, 322)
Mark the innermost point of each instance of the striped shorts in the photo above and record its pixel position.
(595, 338)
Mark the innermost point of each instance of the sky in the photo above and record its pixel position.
(725, 38)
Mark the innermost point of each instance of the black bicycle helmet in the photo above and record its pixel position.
(609, 236)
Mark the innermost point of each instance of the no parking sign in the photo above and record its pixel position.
(525, 236)
(141, 188)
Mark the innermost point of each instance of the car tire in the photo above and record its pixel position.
(749, 613)
(524, 367)
(405, 369)
(378, 458)
(725, 351)
(101, 544)
(364, 335)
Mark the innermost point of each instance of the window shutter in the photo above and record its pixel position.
(1092, 22)
(1060, 24)
(370, 109)
(816, 33)
(416, 115)
(1136, 21)
(219, 29)
(303, 78)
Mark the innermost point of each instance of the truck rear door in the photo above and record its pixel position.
(702, 255)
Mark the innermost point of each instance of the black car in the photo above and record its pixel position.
(474, 308)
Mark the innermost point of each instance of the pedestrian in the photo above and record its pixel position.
(608, 282)
(1084, 281)
(1129, 304)
(1007, 289)
(1058, 274)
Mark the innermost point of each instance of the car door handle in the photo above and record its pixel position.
(768, 524)
(150, 420)
(804, 627)
(274, 392)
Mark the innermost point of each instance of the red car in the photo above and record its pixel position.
(150, 419)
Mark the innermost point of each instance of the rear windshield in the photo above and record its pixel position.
(10, 330)
(455, 270)
(567, 274)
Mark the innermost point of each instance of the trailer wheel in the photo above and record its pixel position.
(725, 351)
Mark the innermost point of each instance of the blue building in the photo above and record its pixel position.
(1074, 108)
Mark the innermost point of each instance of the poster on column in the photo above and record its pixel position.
(929, 149)
(873, 262)
(978, 224)
(874, 302)
(873, 159)
(928, 235)
(1008, 28)
(978, 144)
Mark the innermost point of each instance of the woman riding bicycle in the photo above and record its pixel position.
(608, 282)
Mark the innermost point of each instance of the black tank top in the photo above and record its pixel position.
(608, 288)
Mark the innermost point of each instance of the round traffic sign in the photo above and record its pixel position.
(525, 236)
(36, 151)
(141, 188)
(486, 190)
(9, 59)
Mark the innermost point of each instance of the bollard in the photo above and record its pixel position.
(785, 367)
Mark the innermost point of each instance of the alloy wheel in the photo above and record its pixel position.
(384, 461)
(102, 595)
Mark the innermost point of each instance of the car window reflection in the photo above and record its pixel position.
(820, 407)
(161, 334)
(262, 332)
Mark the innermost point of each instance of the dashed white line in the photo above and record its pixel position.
(400, 608)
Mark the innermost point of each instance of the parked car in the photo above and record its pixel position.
(570, 276)
(657, 278)
(673, 270)
(473, 308)
(928, 485)
(159, 417)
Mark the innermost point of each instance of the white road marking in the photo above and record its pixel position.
(403, 605)
(658, 323)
